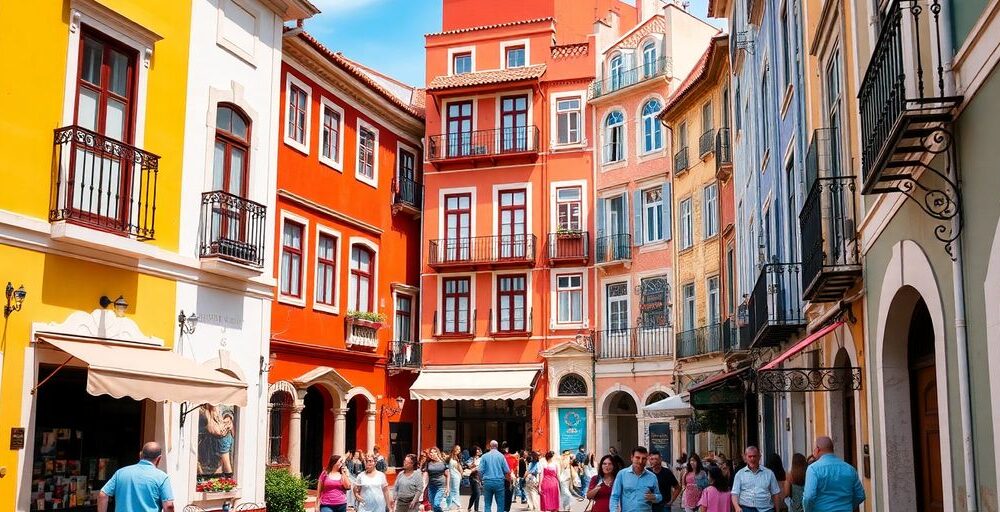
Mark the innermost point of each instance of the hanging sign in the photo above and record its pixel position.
(572, 428)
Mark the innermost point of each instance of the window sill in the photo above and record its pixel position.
(685, 250)
(556, 147)
(292, 301)
(568, 326)
(333, 164)
(294, 144)
(658, 245)
(326, 308)
(651, 155)
(611, 166)
(371, 182)
(454, 336)
(511, 334)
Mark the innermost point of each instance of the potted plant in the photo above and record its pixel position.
(566, 233)
(369, 319)
(218, 489)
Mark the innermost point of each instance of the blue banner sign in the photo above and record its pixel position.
(572, 428)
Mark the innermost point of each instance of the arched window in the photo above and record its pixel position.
(652, 134)
(655, 397)
(616, 69)
(614, 138)
(572, 385)
(232, 150)
(362, 279)
(649, 59)
(280, 404)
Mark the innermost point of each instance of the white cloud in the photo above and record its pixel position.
(341, 6)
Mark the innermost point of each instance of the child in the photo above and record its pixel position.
(715, 497)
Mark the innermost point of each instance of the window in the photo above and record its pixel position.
(461, 63)
(569, 298)
(682, 136)
(568, 207)
(297, 114)
(230, 169)
(711, 214)
(407, 168)
(367, 144)
(649, 59)
(515, 56)
(833, 106)
(512, 303)
(291, 258)
(652, 132)
(786, 43)
(617, 71)
(736, 103)
(280, 403)
(707, 123)
(456, 299)
(513, 223)
(724, 99)
(361, 289)
(687, 301)
(572, 385)
(652, 205)
(617, 300)
(330, 139)
(765, 117)
(459, 128)
(713, 300)
(687, 225)
(568, 116)
(457, 226)
(404, 318)
(654, 301)
(792, 210)
(514, 123)
(614, 138)
(326, 269)
(731, 280)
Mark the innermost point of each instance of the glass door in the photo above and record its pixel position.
(457, 226)
(459, 128)
(514, 124)
(513, 224)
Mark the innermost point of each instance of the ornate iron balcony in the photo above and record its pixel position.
(613, 248)
(408, 193)
(232, 228)
(700, 341)
(405, 355)
(681, 160)
(569, 246)
(706, 143)
(472, 145)
(775, 304)
(103, 183)
(634, 342)
(723, 154)
(617, 81)
(735, 337)
(491, 251)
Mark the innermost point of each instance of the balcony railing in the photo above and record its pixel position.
(902, 97)
(634, 342)
(103, 183)
(232, 228)
(775, 304)
(830, 261)
(735, 338)
(699, 342)
(723, 151)
(569, 246)
(681, 160)
(617, 81)
(613, 248)
(409, 193)
(405, 354)
(706, 143)
(514, 140)
(499, 250)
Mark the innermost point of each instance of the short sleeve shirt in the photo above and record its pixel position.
(140, 487)
(666, 482)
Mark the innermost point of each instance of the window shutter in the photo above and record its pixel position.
(600, 217)
(668, 203)
(637, 217)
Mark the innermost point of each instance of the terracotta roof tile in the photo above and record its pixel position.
(493, 76)
(697, 73)
(570, 50)
(487, 27)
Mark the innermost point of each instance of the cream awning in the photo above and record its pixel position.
(152, 373)
(669, 407)
(478, 384)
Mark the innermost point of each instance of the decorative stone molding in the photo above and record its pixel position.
(101, 323)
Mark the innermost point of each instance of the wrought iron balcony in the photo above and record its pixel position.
(723, 154)
(706, 143)
(681, 160)
(569, 247)
(613, 248)
(775, 305)
(699, 342)
(617, 81)
(232, 228)
(103, 183)
(735, 337)
(903, 102)
(483, 144)
(482, 251)
(409, 193)
(405, 355)
(634, 342)
(830, 261)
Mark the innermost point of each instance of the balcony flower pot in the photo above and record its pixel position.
(367, 319)
(569, 235)
(220, 496)
(360, 322)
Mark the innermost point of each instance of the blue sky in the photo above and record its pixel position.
(388, 35)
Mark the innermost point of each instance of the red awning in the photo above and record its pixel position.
(716, 379)
(800, 346)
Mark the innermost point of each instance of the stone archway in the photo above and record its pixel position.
(621, 413)
(360, 412)
(843, 418)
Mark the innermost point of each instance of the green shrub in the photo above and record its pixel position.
(283, 491)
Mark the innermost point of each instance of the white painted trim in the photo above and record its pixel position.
(373, 181)
(414, 314)
(554, 275)
(553, 201)
(291, 79)
(528, 203)
(460, 49)
(473, 207)
(514, 42)
(449, 101)
(602, 299)
(338, 271)
(439, 328)
(338, 163)
(604, 135)
(640, 132)
(285, 215)
(400, 147)
(372, 246)
(554, 118)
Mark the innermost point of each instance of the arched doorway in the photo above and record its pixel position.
(356, 436)
(279, 409)
(924, 412)
(844, 420)
(623, 426)
(313, 454)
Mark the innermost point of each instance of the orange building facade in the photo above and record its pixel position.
(344, 320)
(507, 275)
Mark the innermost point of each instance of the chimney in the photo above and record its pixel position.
(649, 8)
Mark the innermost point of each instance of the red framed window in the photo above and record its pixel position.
(513, 223)
(331, 134)
(291, 258)
(326, 269)
(366, 153)
(106, 78)
(297, 99)
(457, 226)
(362, 279)
(458, 126)
(456, 299)
(512, 303)
(568, 207)
(404, 318)
(514, 123)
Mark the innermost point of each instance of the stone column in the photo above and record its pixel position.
(339, 430)
(370, 433)
(295, 438)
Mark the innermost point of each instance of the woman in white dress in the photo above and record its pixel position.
(371, 489)
(565, 476)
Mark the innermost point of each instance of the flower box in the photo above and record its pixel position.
(219, 496)
(360, 322)
(569, 235)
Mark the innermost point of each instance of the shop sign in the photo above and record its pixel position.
(448, 437)
(17, 438)
(572, 428)
(659, 439)
(653, 301)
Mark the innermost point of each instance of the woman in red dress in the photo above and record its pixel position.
(548, 483)
(599, 489)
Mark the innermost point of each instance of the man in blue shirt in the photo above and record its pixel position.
(494, 471)
(755, 488)
(832, 485)
(635, 488)
(140, 487)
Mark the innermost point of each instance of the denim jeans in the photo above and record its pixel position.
(436, 496)
(520, 490)
(333, 508)
(493, 492)
(584, 483)
(755, 509)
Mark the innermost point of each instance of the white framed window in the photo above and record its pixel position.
(687, 225)
(293, 257)
(616, 69)
(515, 54)
(652, 130)
(688, 305)
(616, 298)
(569, 205)
(298, 110)
(652, 216)
(711, 215)
(404, 317)
(326, 296)
(361, 283)
(367, 168)
(614, 137)
(714, 303)
(461, 60)
(331, 142)
(569, 298)
(569, 120)
(649, 59)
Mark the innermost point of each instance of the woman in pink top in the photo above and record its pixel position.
(715, 497)
(333, 486)
(690, 480)
(548, 483)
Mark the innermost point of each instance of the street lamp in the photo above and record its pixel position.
(15, 298)
(388, 409)
(120, 304)
(187, 323)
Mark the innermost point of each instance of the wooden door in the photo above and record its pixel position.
(926, 439)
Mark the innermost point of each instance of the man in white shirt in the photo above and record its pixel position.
(755, 488)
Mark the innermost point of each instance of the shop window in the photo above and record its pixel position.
(217, 435)
(572, 385)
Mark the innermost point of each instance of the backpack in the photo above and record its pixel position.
(380, 464)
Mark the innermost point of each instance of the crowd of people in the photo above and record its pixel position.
(551, 482)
